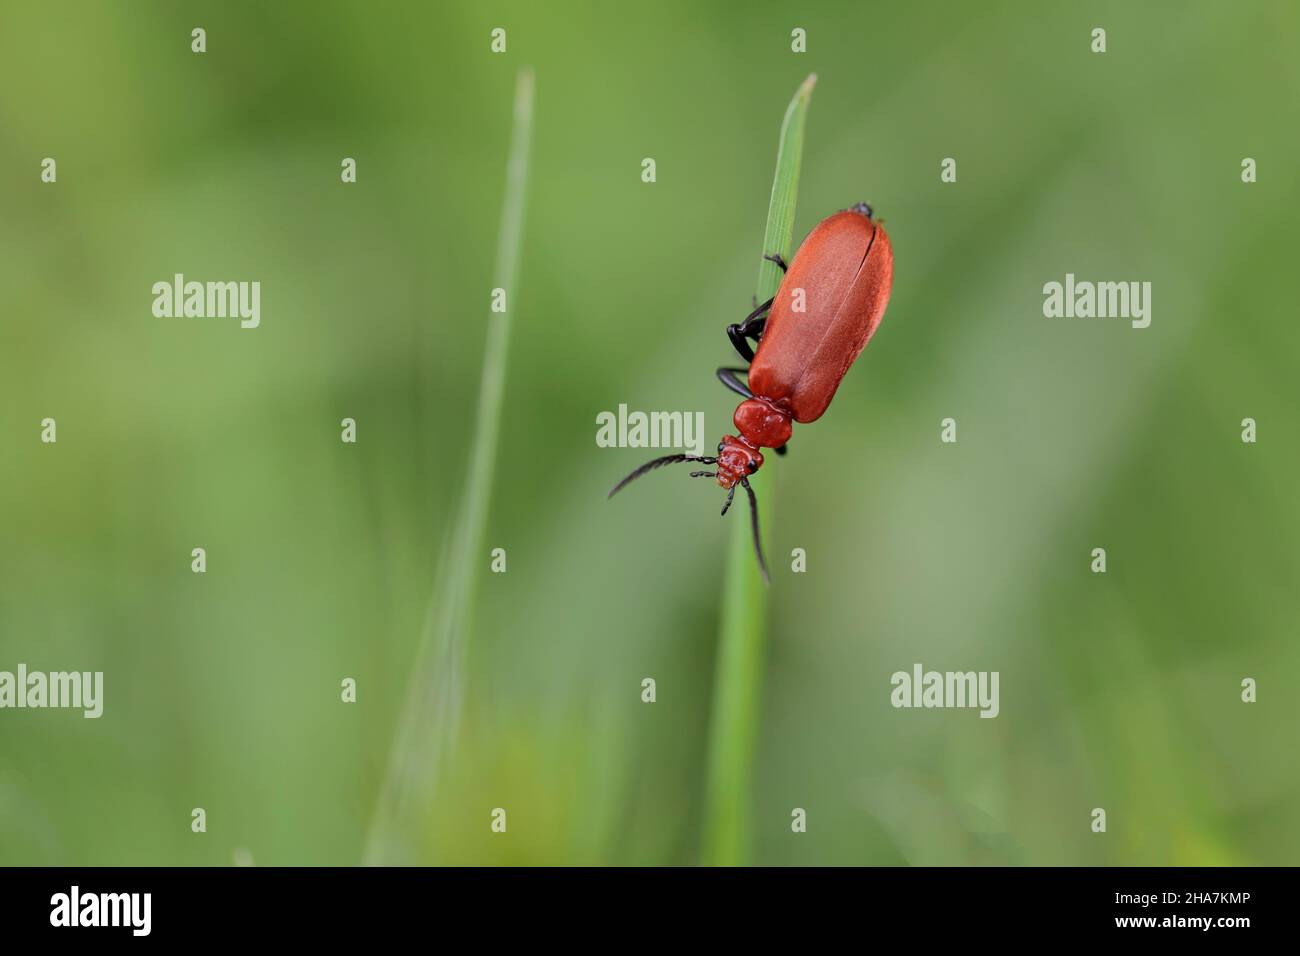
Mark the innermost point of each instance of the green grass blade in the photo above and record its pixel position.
(733, 732)
(428, 726)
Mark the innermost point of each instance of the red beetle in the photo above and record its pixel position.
(827, 308)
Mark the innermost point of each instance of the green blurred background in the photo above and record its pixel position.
(222, 690)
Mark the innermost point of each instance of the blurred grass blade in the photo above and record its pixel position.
(742, 634)
(427, 730)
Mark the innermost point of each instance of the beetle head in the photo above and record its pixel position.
(737, 459)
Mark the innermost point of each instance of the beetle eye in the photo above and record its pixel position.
(753, 466)
(720, 446)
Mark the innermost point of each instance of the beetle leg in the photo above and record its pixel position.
(727, 376)
(738, 340)
(783, 449)
(738, 332)
(750, 327)
(778, 259)
(759, 311)
(752, 324)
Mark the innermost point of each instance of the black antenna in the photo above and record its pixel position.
(657, 463)
(731, 494)
(758, 545)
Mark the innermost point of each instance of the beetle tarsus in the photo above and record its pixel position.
(778, 259)
(731, 493)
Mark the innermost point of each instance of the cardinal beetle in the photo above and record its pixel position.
(828, 306)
